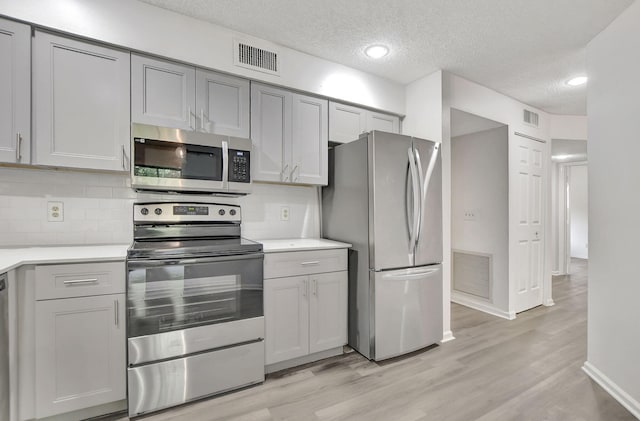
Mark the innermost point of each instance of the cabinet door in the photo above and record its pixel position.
(270, 131)
(286, 315)
(222, 104)
(163, 93)
(310, 140)
(346, 123)
(328, 311)
(80, 353)
(15, 92)
(384, 122)
(81, 112)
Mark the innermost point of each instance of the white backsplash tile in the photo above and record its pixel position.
(98, 208)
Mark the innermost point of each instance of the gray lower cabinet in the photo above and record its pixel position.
(169, 94)
(347, 122)
(79, 349)
(15, 92)
(80, 353)
(81, 104)
(305, 304)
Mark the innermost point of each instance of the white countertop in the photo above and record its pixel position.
(300, 244)
(11, 258)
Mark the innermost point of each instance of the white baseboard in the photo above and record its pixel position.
(613, 389)
(549, 302)
(447, 336)
(556, 273)
(481, 306)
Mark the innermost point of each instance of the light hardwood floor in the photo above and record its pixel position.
(525, 369)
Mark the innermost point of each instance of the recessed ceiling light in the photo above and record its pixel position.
(577, 81)
(376, 51)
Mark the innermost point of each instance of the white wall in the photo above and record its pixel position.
(480, 183)
(579, 211)
(98, 208)
(139, 26)
(424, 118)
(613, 65)
(568, 127)
(473, 98)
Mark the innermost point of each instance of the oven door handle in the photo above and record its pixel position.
(191, 261)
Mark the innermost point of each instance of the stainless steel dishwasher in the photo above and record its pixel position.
(4, 347)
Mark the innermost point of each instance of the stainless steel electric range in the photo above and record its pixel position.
(195, 323)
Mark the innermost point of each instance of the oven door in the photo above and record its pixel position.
(177, 294)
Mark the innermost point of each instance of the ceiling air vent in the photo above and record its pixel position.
(531, 118)
(256, 58)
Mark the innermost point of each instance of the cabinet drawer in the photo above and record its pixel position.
(78, 280)
(277, 265)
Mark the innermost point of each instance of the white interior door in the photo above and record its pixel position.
(529, 185)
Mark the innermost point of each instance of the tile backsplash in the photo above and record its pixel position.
(97, 208)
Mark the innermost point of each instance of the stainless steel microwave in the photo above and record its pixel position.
(166, 159)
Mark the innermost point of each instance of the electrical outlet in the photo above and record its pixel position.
(284, 213)
(470, 215)
(55, 211)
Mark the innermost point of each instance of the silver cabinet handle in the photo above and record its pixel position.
(80, 281)
(190, 114)
(284, 171)
(18, 147)
(202, 120)
(315, 287)
(116, 310)
(306, 286)
(125, 158)
(312, 263)
(293, 171)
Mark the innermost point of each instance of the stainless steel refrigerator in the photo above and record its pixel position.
(385, 197)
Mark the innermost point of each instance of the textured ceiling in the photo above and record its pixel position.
(525, 49)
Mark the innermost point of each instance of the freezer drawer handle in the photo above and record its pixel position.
(313, 263)
(80, 281)
(409, 275)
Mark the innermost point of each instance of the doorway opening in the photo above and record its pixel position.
(570, 244)
(480, 213)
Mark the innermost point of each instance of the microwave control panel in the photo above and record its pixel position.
(239, 166)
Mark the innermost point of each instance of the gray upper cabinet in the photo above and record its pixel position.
(270, 132)
(347, 123)
(81, 104)
(290, 136)
(222, 104)
(385, 122)
(169, 94)
(15, 92)
(162, 93)
(310, 140)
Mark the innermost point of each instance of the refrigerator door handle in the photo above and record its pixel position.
(415, 188)
(424, 182)
(421, 197)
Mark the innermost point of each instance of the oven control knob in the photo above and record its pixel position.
(144, 211)
(232, 212)
(158, 211)
(221, 212)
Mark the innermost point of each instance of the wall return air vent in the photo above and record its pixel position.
(531, 118)
(250, 56)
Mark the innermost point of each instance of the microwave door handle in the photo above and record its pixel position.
(225, 164)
